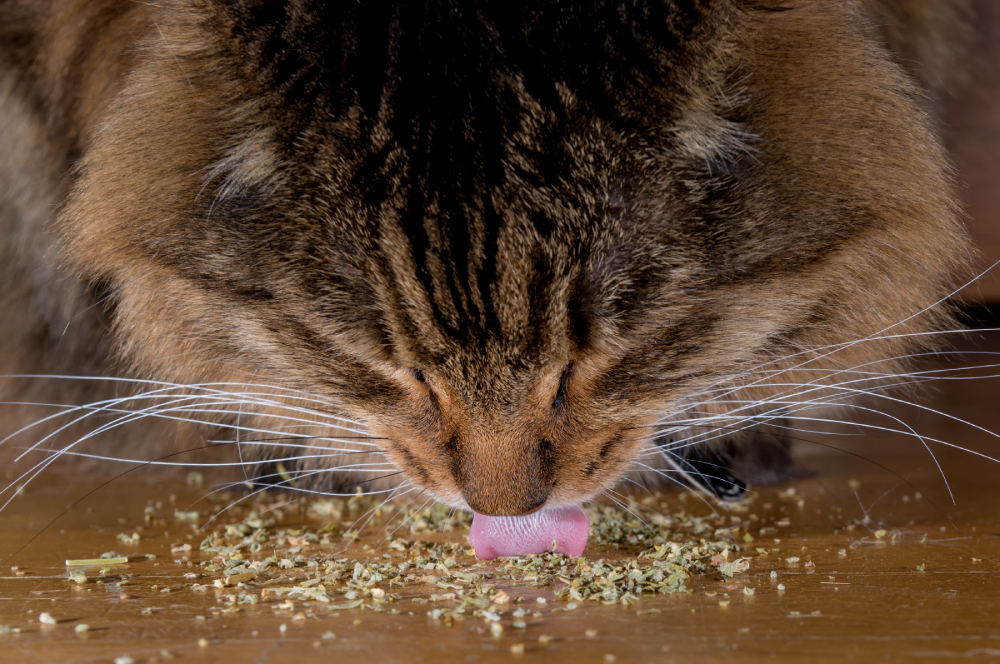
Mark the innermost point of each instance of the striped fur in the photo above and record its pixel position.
(507, 237)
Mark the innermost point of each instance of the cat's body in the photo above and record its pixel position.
(516, 242)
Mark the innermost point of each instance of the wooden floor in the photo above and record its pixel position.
(888, 568)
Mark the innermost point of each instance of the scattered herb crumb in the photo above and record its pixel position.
(93, 562)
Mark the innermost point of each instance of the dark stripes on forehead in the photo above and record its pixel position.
(454, 251)
(314, 60)
(461, 274)
(480, 98)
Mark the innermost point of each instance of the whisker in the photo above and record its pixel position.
(211, 465)
(286, 484)
(372, 511)
(85, 496)
(414, 513)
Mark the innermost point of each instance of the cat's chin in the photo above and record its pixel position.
(557, 530)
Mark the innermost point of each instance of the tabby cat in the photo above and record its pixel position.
(497, 253)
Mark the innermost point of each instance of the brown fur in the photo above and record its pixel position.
(510, 297)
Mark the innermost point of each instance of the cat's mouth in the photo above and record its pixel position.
(557, 530)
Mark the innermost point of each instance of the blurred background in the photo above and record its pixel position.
(971, 129)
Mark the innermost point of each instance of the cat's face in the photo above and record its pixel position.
(507, 265)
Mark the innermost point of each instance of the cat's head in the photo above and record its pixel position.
(511, 241)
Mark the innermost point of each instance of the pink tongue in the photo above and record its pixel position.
(494, 536)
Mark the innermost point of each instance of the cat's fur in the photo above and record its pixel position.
(507, 237)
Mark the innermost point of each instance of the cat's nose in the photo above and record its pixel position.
(508, 503)
(504, 475)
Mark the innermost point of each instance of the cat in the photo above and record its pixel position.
(499, 253)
